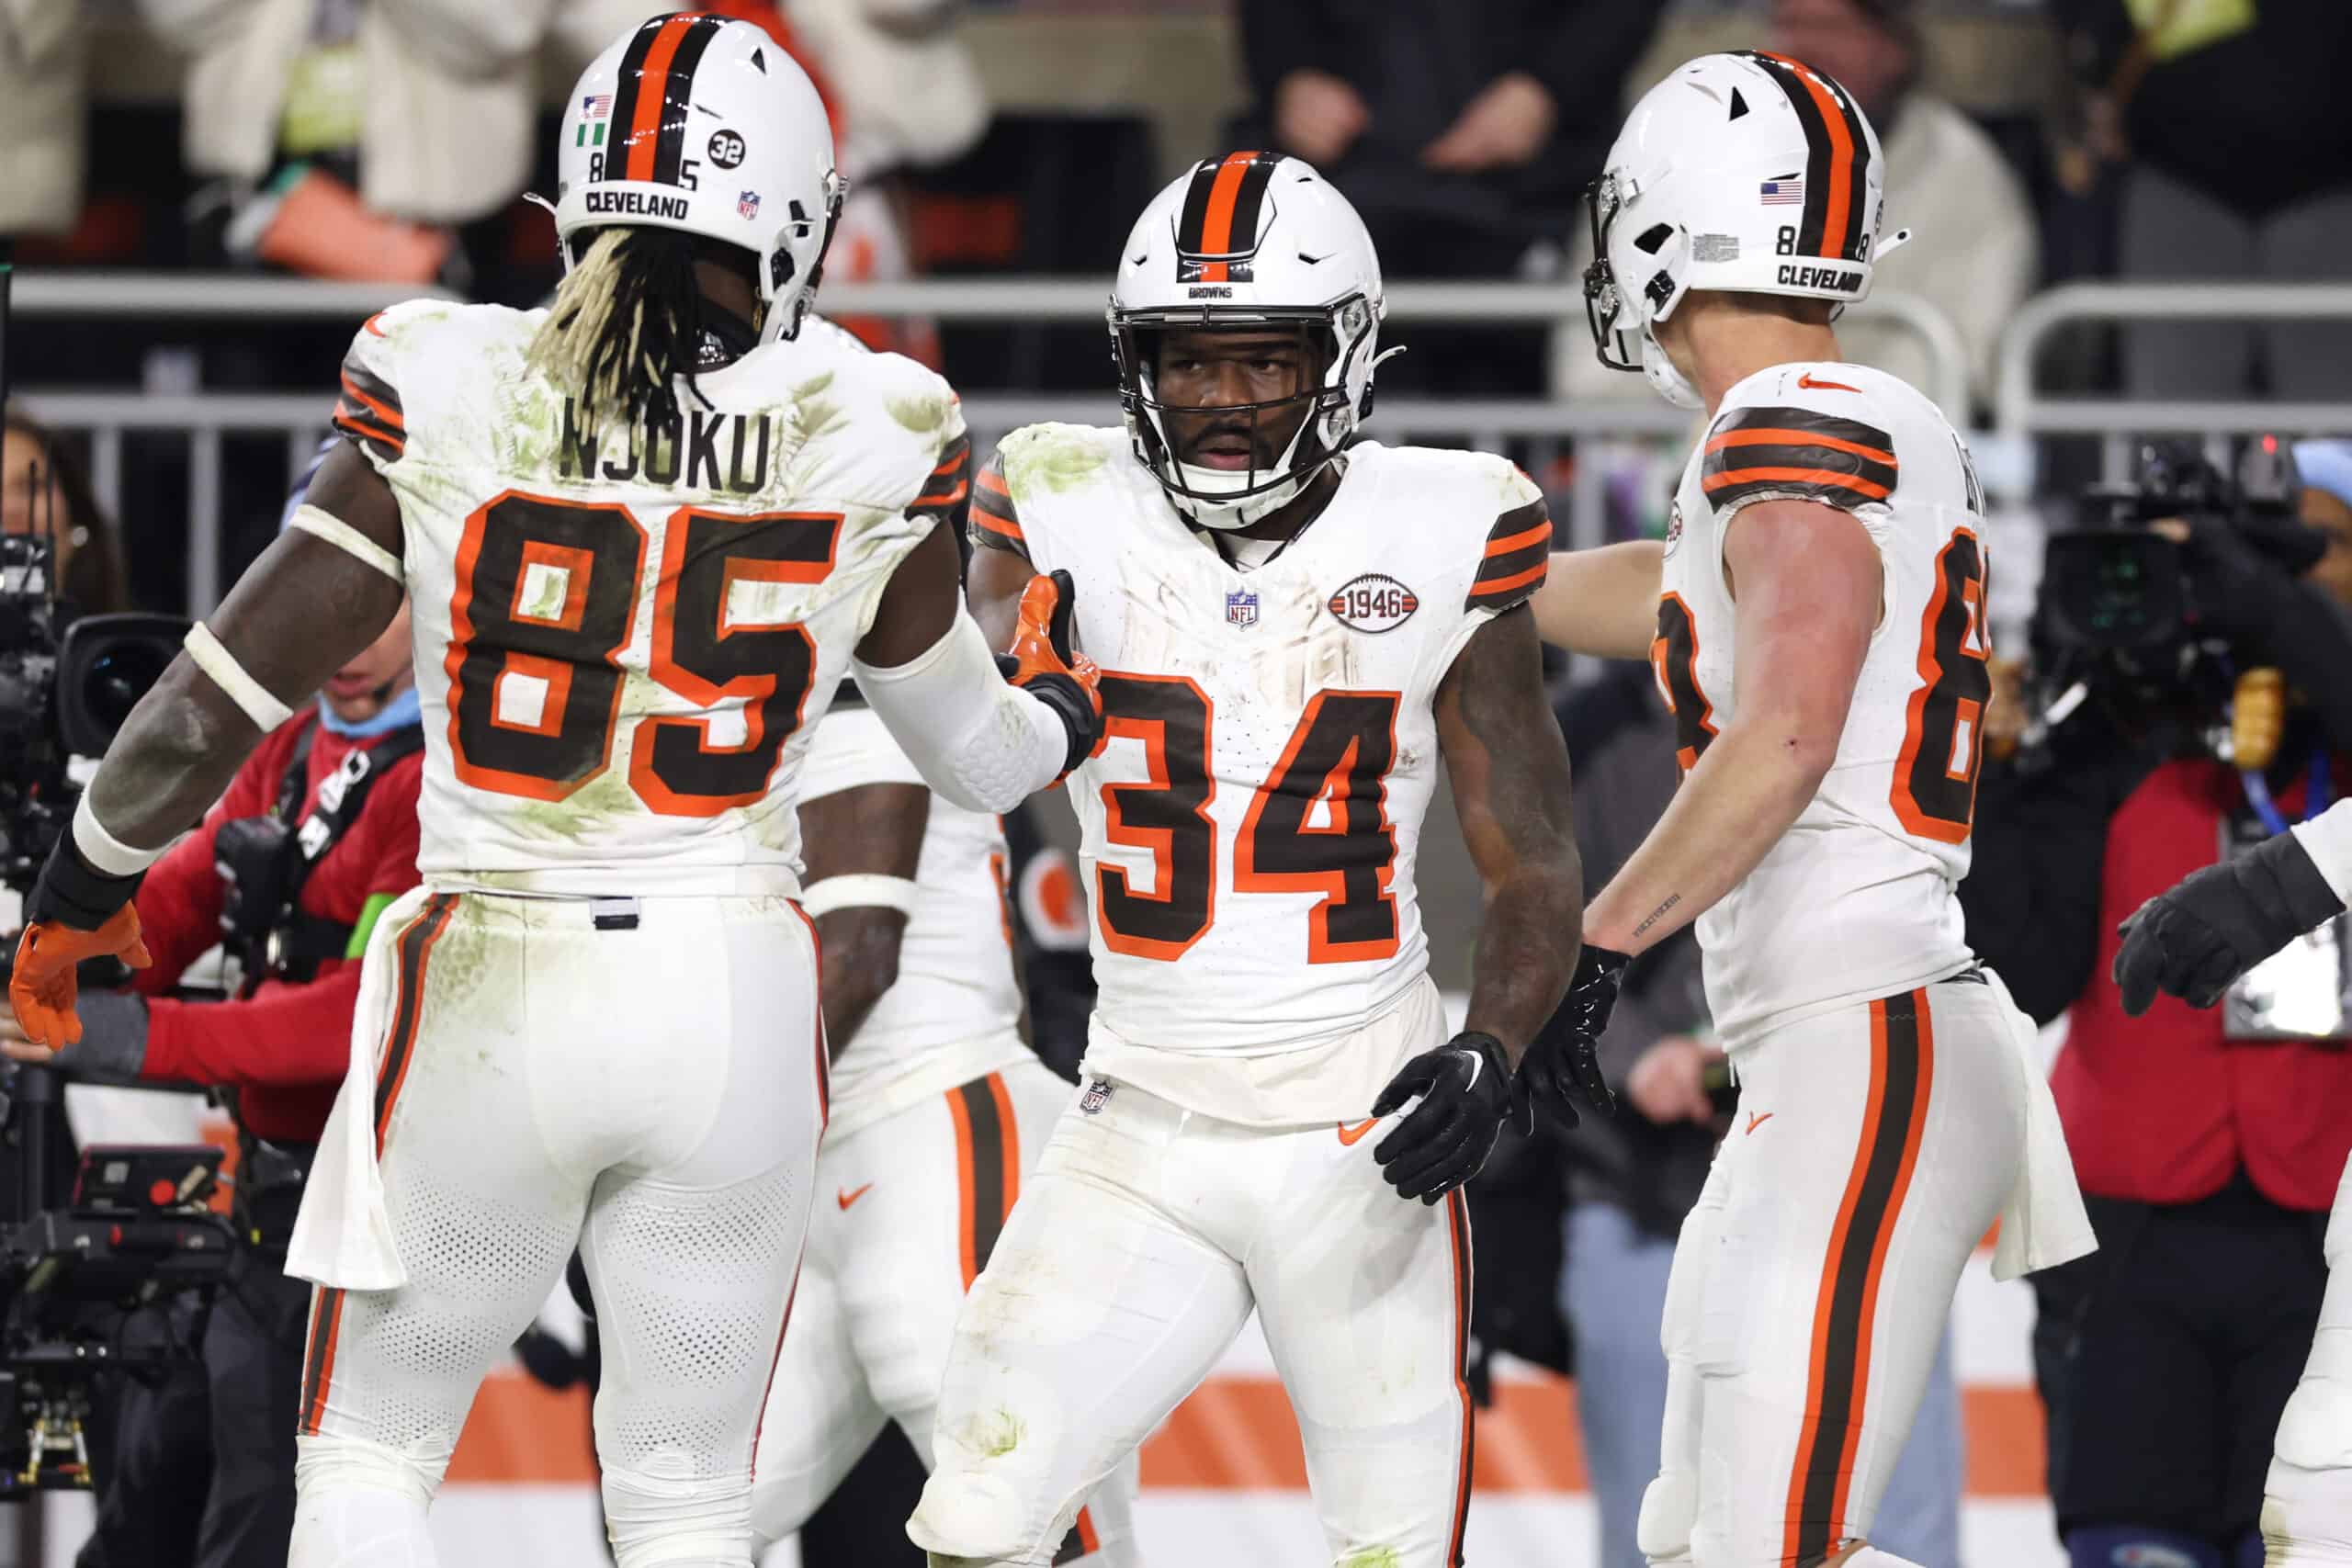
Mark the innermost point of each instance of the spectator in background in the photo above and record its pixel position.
(1631, 1178)
(43, 490)
(905, 95)
(353, 136)
(44, 71)
(1979, 250)
(1462, 130)
(2233, 123)
(2209, 1142)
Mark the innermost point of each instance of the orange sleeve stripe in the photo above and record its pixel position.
(352, 421)
(1520, 541)
(391, 416)
(943, 497)
(1797, 438)
(1003, 526)
(1795, 476)
(991, 481)
(1505, 584)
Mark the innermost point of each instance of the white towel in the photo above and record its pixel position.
(2043, 1224)
(343, 1236)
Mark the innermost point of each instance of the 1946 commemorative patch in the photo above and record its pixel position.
(1374, 602)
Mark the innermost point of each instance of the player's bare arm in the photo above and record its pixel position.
(1807, 582)
(312, 602)
(875, 832)
(993, 587)
(1509, 767)
(1602, 601)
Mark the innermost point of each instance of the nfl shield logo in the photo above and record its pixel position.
(1241, 607)
(748, 204)
(1098, 1095)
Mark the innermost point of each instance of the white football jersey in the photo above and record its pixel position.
(623, 637)
(1859, 898)
(954, 1013)
(1251, 819)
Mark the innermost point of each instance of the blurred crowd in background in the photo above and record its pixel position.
(2028, 144)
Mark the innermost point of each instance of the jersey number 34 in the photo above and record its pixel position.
(547, 602)
(1339, 754)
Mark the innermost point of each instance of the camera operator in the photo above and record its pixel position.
(315, 838)
(2208, 714)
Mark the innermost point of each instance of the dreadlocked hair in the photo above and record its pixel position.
(626, 322)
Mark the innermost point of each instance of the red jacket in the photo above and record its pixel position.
(287, 1048)
(2159, 1108)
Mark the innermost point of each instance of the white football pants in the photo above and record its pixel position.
(2307, 1501)
(907, 1211)
(1133, 1260)
(1873, 1148)
(651, 1093)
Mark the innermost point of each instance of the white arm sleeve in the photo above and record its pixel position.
(984, 745)
(2327, 839)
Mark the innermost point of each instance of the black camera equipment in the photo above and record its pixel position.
(2135, 619)
(131, 1239)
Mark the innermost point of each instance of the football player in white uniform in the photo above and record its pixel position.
(1817, 619)
(2195, 942)
(940, 1110)
(645, 533)
(1294, 627)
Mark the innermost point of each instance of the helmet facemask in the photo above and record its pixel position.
(1282, 456)
(1607, 305)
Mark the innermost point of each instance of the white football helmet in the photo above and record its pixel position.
(701, 124)
(1744, 172)
(1250, 240)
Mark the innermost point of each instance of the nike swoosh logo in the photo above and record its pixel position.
(1809, 385)
(1138, 261)
(846, 1198)
(1754, 1121)
(1349, 1136)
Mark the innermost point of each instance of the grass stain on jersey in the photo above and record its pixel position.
(921, 415)
(1371, 1556)
(993, 1437)
(1051, 457)
(585, 811)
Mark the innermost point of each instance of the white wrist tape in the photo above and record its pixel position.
(350, 540)
(859, 890)
(103, 850)
(2327, 839)
(984, 745)
(266, 711)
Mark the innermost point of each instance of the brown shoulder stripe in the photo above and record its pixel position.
(1799, 453)
(949, 482)
(368, 410)
(995, 525)
(1517, 554)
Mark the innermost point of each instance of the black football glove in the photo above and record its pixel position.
(1466, 1092)
(2196, 940)
(1564, 1063)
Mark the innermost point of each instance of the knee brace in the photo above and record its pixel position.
(1669, 1508)
(2104, 1546)
(966, 1517)
(652, 1519)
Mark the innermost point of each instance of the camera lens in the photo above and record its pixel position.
(119, 677)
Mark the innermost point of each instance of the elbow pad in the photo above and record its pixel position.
(984, 745)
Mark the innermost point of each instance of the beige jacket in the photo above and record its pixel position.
(44, 69)
(453, 87)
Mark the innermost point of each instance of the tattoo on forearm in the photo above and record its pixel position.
(1658, 914)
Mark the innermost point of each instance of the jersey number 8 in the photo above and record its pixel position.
(546, 604)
